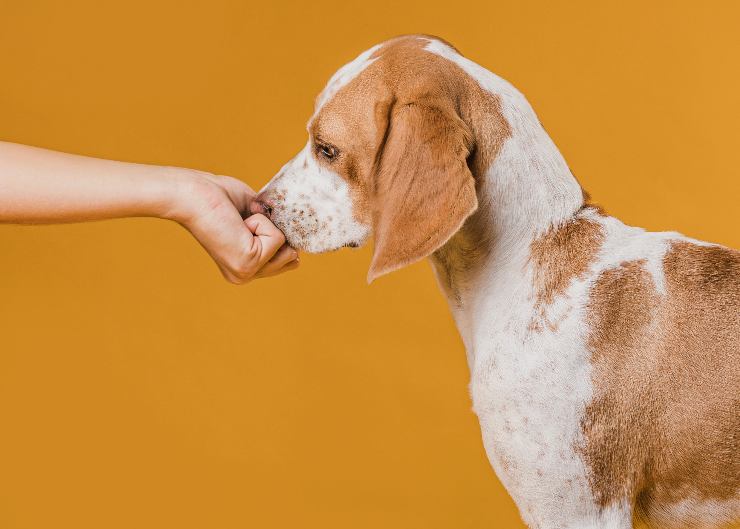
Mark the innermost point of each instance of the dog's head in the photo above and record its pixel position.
(387, 155)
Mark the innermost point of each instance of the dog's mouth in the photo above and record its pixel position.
(296, 235)
(305, 228)
(308, 239)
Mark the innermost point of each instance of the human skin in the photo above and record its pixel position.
(39, 186)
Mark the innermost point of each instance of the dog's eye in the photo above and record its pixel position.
(327, 151)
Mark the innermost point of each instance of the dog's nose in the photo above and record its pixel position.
(261, 204)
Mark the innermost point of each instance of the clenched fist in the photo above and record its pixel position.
(213, 208)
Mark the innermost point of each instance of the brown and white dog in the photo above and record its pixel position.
(604, 358)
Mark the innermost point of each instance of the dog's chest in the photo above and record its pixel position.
(530, 385)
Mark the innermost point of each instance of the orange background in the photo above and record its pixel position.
(139, 390)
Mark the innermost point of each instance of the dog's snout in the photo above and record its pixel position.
(261, 204)
(267, 208)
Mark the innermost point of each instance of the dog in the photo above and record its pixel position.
(603, 358)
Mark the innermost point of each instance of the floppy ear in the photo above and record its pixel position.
(424, 189)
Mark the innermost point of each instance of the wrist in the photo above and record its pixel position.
(180, 192)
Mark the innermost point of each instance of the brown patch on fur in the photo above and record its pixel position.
(413, 129)
(562, 255)
(664, 423)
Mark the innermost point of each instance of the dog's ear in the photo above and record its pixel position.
(424, 189)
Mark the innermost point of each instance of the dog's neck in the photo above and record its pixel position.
(523, 192)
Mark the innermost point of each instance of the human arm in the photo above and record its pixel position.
(39, 186)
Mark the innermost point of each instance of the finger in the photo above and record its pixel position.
(260, 225)
(285, 255)
(292, 265)
(221, 231)
(230, 277)
(267, 235)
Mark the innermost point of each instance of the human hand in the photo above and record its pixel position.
(212, 208)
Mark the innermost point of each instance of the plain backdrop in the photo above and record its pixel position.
(139, 390)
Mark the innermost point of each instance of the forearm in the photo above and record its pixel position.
(42, 186)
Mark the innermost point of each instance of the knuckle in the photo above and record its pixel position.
(244, 268)
(243, 275)
(242, 272)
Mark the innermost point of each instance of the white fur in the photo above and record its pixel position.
(315, 209)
